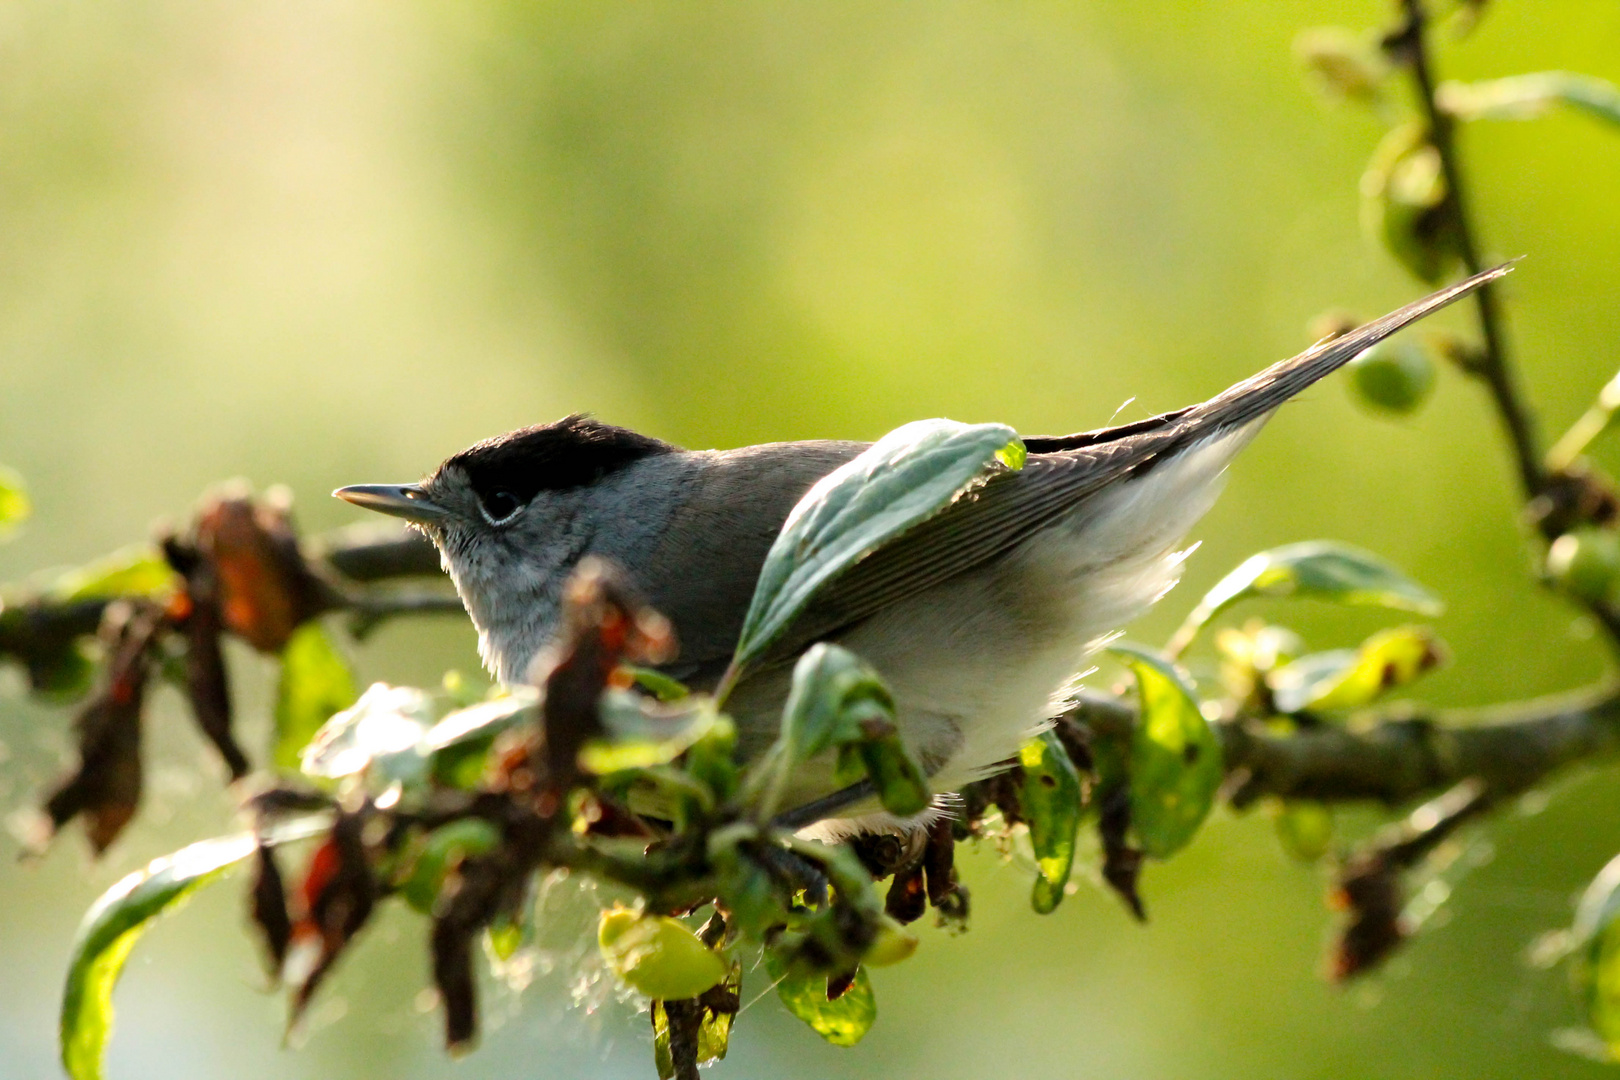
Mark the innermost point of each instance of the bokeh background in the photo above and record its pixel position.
(329, 242)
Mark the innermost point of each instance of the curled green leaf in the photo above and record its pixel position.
(1050, 802)
(838, 701)
(115, 923)
(903, 479)
(1319, 569)
(1349, 679)
(1175, 765)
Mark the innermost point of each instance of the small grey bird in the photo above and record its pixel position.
(978, 618)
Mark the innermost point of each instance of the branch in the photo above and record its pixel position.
(35, 629)
(1404, 753)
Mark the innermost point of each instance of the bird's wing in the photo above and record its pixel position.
(1063, 471)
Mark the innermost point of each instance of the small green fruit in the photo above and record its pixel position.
(658, 956)
(1585, 563)
(1393, 376)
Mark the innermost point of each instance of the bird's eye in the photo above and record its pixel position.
(499, 505)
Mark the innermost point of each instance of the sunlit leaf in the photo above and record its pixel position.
(116, 921)
(139, 570)
(1050, 801)
(1350, 678)
(387, 724)
(315, 683)
(906, 477)
(14, 504)
(1594, 956)
(657, 955)
(1319, 569)
(1175, 766)
(843, 1022)
(1525, 97)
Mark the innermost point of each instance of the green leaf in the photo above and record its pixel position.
(1175, 766)
(1050, 801)
(456, 747)
(657, 684)
(315, 684)
(1525, 97)
(658, 955)
(645, 735)
(906, 477)
(14, 504)
(836, 701)
(116, 921)
(843, 1022)
(1320, 569)
(1343, 63)
(439, 852)
(1594, 956)
(139, 570)
(1386, 660)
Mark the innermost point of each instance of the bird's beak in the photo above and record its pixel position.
(407, 501)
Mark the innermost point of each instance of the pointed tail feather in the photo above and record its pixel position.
(1259, 394)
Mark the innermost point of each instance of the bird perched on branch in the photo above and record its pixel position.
(977, 618)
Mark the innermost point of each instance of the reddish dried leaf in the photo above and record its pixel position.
(206, 683)
(337, 896)
(106, 787)
(266, 588)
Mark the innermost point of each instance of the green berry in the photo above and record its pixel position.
(1393, 376)
(1585, 563)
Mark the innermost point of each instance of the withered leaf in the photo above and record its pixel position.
(106, 786)
(269, 908)
(207, 685)
(266, 587)
(337, 896)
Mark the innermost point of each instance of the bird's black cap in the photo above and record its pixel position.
(573, 452)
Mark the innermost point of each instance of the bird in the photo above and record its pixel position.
(978, 619)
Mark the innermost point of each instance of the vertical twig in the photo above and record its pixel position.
(1494, 366)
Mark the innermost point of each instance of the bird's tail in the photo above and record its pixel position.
(1260, 394)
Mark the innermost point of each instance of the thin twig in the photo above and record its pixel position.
(1494, 365)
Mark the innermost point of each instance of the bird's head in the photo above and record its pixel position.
(507, 517)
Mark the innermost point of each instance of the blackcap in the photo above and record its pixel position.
(978, 619)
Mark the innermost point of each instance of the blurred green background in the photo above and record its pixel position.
(330, 242)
